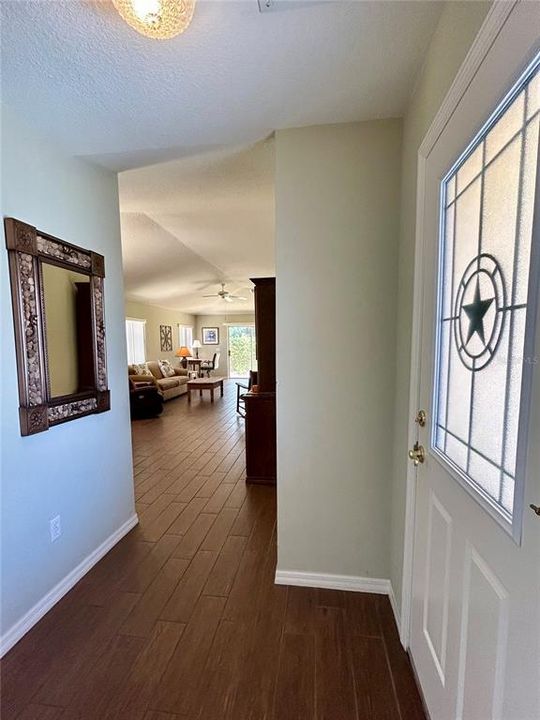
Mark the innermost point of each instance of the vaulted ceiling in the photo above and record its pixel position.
(188, 225)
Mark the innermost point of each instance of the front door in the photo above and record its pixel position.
(475, 619)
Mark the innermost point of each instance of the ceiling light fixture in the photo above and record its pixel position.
(157, 19)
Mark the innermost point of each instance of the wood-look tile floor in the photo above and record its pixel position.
(182, 620)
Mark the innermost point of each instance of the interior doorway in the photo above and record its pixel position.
(241, 344)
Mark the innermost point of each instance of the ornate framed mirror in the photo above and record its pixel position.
(58, 311)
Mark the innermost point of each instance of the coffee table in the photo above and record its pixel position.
(201, 384)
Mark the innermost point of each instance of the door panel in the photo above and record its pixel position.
(436, 597)
(475, 621)
(483, 641)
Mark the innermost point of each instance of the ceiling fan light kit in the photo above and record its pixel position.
(157, 19)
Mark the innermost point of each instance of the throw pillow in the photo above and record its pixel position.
(142, 369)
(166, 368)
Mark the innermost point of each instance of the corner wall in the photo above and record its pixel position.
(82, 469)
(337, 226)
(455, 32)
(156, 316)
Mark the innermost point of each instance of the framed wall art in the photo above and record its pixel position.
(165, 337)
(210, 336)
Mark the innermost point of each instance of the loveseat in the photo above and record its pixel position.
(169, 387)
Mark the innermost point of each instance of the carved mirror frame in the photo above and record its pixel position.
(28, 248)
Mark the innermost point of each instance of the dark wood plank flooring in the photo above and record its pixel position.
(182, 620)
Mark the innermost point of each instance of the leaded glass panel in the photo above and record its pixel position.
(484, 299)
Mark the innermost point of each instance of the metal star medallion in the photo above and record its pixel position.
(475, 312)
(482, 283)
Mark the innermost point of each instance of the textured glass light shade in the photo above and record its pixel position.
(158, 19)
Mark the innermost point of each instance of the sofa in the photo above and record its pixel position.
(168, 387)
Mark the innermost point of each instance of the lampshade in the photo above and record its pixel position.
(157, 19)
(183, 352)
(196, 344)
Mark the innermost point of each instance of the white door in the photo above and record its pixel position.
(475, 615)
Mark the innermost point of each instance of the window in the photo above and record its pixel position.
(487, 290)
(185, 336)
(136, 340)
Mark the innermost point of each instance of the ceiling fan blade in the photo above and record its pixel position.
(227, 298)
(209, 296)
(237, 297)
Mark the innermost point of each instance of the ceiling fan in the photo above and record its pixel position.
(225, 295)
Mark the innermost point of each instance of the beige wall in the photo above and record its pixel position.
(220, 321)
(337, 225)
(156, 316)
(459, 24)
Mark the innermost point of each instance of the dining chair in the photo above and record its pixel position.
(207, 366)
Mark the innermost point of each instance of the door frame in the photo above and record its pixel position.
(494, 21)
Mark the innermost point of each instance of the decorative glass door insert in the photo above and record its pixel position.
(488, 282)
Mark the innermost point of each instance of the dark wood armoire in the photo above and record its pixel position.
(261, 405)
(86, 379)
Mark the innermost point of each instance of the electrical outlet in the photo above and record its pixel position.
(55, 528)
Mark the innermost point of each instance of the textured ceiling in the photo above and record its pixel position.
(191, 224)
(194, 115)
(232, 78)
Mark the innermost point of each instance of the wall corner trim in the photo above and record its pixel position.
(395, 610)
(22, 626)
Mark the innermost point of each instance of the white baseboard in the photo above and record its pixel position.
(352, 583)
(22, 626)
(333, 582)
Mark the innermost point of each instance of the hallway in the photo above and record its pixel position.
(182, 620)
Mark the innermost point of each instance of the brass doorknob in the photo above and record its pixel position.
(417, 454)
(535, 508)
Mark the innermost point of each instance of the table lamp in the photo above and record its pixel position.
(183, 352)
(196, 346)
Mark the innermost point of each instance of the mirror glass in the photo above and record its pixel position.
(68, 330)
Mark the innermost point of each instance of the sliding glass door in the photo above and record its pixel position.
(241, 350)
